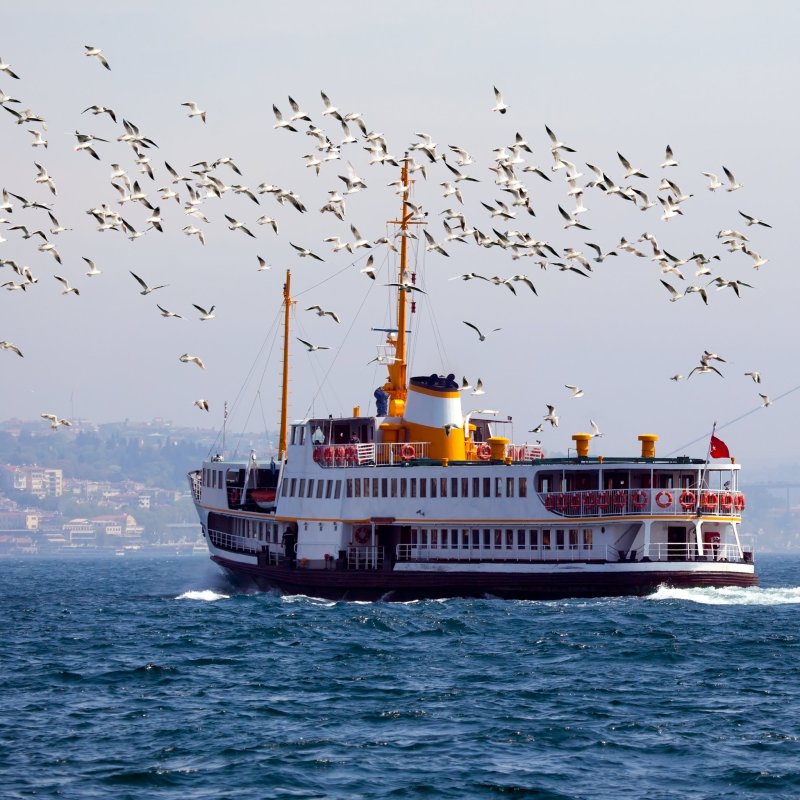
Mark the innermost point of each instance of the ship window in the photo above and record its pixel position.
(375, 487)
(357, 486)
(423, 487)
(310, 487)
(403, 487)
(293, 489)
(284, 487)
(587, 538)
(520, 540)
(384, 487)
(349, 492)
(559, 539)
(476, 539)
(546, 539)
(393, 483)
(328, 489)
(423, 538)
(320, 487)
(498, 539)
(453, 487)
(433, 487)
(523, 487)
(338, 493)
(302, 492)
(366, 487)
(476, 487)
(444, 539)
(414, 537)
(573, 538)
(465, 487)
(534, 540)
(294, 434)
(213, 474)
(487, 487)
(434, 538)
(465, 539)
(301, 430)
(545, 483)
(412, 487)
(454, 539)
(509, 539)
(509, 487)
(443, 487)
(487, 538)
(498, 487)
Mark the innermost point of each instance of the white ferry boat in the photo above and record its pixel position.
(422, 500)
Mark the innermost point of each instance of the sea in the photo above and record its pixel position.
(137, 678)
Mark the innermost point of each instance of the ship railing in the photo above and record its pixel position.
(566, 552)
(237, 544)
(524, 452)
(660, 502)
(712, 551)
(196, 484)
(368, 454)
(364, 558)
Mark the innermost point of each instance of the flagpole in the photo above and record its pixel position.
(705, 466)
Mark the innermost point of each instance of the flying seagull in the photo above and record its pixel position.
(145, 288)
(205, 314)
(576, 391)
(202, 404)
(97, 53)
(499, 105)
(551, 416)
(167, 313)
(312, 347)
(188, 359)
(481, 336)
(321, 312)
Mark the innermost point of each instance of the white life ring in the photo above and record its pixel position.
(361, 534)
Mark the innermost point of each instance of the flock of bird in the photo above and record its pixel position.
(197, 187)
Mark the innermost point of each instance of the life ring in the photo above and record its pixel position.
(407, 452)
(618, 498)
(339, 453)
(589, 501)
(327, 454)
(709, 501)
(603, 500)
(664, 499)
(639, 500)
(234, 496)
(738, 502)
(351, 454)
(549, 502)
(361, 534)
(687, 500)
(317, 456)
(484, 452)
(575, 501)
(561, 502)
(726, 501)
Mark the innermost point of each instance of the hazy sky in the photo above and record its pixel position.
(717, 81)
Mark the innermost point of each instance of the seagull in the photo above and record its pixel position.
(298, 115)
(596, 434)
(194, 110)
(67, 288)
(312, 347)
(709, 356)
(571, 221)
(754, 220)
(191, 230)
(262, 264)
(714, 182)
(54, 420)
(669, 160)
(481, 336)
(677, 377)
(101, 110)
(97, 53)
(556, 144)
(674, 293)
(268, 221)
(321, 312)
(601, 256)
(280, 122)
(330, 109)
(478, 390)
(630, 172)
(186, 359)
(92, 268)
(405, 286)
(705, 367)
(38, 141)
(538, 429)
(234, 224)
(576, 391)
(145, 288)
(4, 345)
(204, 315)
(201, 404)
(369, 269)
(7, 69)
(765, 400)
(551, 416)
(756, 376)
(167, 313)
(304, 251)
(732, 184)
(499, 105)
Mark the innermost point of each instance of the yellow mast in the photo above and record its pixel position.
(287, 304)
(397, 384)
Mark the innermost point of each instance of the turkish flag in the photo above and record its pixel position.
(719, 449)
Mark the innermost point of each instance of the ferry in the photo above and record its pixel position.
(424, 500)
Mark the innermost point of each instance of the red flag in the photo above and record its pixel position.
(719, 449)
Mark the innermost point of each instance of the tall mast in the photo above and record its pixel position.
(396, 385)
(287, 304)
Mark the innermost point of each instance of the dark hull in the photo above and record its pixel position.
(405, 586)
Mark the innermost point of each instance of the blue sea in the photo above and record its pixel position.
(137, 678)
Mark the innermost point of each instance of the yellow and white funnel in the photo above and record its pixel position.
(433, 414)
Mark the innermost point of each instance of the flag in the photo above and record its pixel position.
(719, 449)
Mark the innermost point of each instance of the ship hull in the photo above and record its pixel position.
(542, 584)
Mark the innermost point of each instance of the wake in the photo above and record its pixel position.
(205, 595)
(731, 595)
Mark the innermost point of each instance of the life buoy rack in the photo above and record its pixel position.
(483, 451)
(738, 502)
(361, 534)
(726, 501)
(233, 496)
(639, 500)
(688, 499)
(664, 499)
(407, 452)
(709, 501)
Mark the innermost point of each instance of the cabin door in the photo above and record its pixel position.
(387, 538)
(676, 543)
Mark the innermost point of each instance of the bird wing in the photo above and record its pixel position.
(139, 280)
(474, 327)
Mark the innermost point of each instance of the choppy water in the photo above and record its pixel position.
(132, 678)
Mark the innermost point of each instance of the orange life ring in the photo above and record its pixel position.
(603, 500)
(618, 498)
(407, 452)
(549, 502)
(350, 453)
(589, 500)
(726, 501)
(575, 501)
(339, 453)
(639, 500)
(738, 501)
(664, 499)
(361, 534)
(317, 455)
(327, 454)
(234, 496)
(561, 502)
(483, 451)
(687, 500)
(709, 501)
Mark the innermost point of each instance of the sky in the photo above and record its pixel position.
(716, 81)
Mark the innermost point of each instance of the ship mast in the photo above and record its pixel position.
(287, 304)
(397, 384)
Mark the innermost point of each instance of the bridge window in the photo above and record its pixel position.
(433, 487)
(320, 487)
(523, 487)
(487, 487)
(509, 487)
(310, 487)
(393, 484)
(521, 539)
(573, 538)
(293, 489)
(453, 487)
(423, 487)
(476, 487)
(349, 486)
(338, 493)
(412, 487)
(403, 487)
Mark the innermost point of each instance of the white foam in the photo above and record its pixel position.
(731, 595)
(207, 595)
